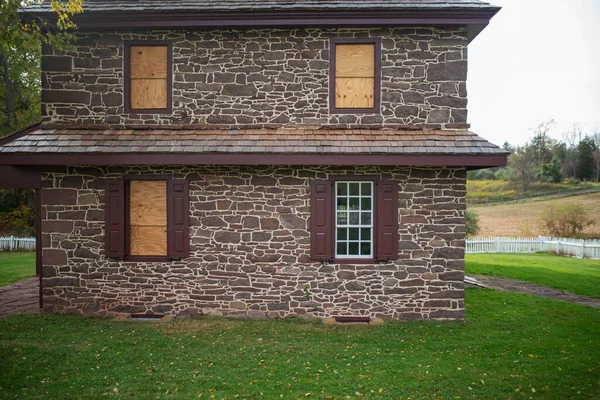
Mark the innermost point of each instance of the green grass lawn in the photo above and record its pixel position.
(574, 275)
(16, 266)
(511, 346)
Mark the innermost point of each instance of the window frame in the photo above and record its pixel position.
(374, 179)
(127, 76)
(377, 78)
(127, 209)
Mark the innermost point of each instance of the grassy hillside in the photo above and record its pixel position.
(521, 219)
(491, 190)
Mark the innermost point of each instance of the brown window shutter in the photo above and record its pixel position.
(387, 220)
(321, 220)
(178, 219)
(114, 213)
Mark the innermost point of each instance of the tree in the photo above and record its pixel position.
(542, 143)
(571, 141)
(584, 161)
(565, 220)
(523, 166)
(472, 223)
(550, 172)
(21, 36)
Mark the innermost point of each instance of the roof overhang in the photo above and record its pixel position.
(429, 160)
(474, 19)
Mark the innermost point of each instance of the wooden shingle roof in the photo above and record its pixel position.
(267, 5)
(51, 146)
(281, 141)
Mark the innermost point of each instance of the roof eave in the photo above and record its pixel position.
(469, 161)
(474, 18)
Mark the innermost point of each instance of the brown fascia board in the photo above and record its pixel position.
(424, 160)
(475, 19)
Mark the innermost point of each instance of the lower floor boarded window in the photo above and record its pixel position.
(147, 218)
(354, 220)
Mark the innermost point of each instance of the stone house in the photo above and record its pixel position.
(255, 158)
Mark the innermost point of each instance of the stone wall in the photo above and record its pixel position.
(261, 78)
(250, 248)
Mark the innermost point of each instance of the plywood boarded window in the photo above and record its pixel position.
(148, 218)
(149, 77)
(355, 75)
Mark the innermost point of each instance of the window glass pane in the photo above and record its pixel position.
(354, 218)
(365, 248)
(365, 234)
(365, 203)
(365, 218)
(365, 189)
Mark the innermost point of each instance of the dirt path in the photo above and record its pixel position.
(22, 296)
(510, 285)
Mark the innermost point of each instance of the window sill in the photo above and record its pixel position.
(353, 261)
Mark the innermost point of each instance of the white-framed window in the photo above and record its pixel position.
(354, 219)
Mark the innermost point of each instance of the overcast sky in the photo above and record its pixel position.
(536, 60)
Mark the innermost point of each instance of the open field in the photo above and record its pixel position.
(498, 189)
(569, 274)
(16, 266)
(521, 219)
(511, 346)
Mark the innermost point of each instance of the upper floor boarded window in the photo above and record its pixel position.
(148, 77)
(355, 75)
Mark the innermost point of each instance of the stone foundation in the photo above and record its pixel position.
(250, 248)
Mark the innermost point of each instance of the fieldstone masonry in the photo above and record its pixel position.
(250, 248)
(261, 78)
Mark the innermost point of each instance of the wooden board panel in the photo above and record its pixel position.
(354, 92)
(148, 203)
(148, 241)
(148, 62)
(148, 218)
(355, 61)
(148, 93)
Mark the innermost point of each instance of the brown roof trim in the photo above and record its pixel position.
(469, 161)
(19, 178)
(19, 133)
(476, 19)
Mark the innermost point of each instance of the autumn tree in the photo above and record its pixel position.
(523, 166)
(21, 36)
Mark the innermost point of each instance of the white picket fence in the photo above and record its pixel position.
(12, 243)
(573, 247)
